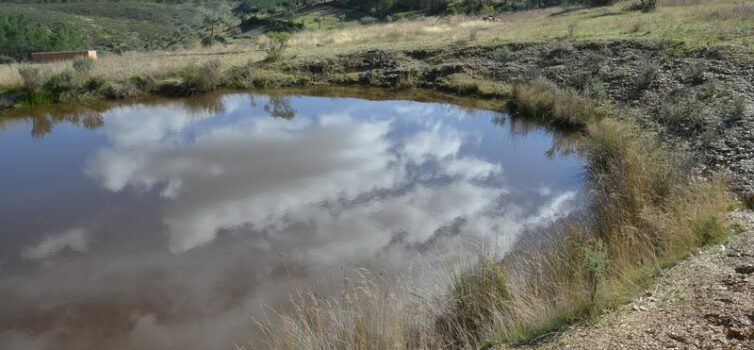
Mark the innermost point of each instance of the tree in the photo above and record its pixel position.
(278, 44)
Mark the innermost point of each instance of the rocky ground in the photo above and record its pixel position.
(705, 302)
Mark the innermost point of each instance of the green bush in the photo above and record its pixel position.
(367, 20)
(502, 54)
(647, 74)
(95, 83)
(711, 229)
(83, 65)
(748, 200)
(738, 107)
(207, 78)
(596, 261)
(241, 76)
(683, 113)
(543, 100)
(143, 82)
(63, 85)
(120, 91)
(595, 89)
(31, 78)
(694, 73)
(278, 43)
(644, 6)
(6, 59)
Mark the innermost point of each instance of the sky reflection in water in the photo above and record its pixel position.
(164, 225)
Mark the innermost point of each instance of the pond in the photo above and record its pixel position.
(172, 224)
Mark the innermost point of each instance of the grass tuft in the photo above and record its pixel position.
(544, 101)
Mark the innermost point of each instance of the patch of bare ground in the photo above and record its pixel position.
(704, 302)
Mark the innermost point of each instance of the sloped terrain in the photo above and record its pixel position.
(705, 302)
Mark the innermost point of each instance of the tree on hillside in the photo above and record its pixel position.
(19, 37)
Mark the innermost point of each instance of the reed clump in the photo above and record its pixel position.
(544, 101)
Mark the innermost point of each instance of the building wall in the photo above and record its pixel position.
(46, 57)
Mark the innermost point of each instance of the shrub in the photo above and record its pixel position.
(95, 83)
(278, 43)
(143, 82)
(367, 20)
(683, 114)
(543, 100)
(206, 78)
(502, 54)
(710, 229)
(644, 6)
(6, 59)
(596, 261)
(571, 30)
(738, 107)
(748, 200)
(648, 73)
(31, 78)
(595, 89)
(241, 76)
(694, 73)
(63, 85)
(117, 91)
(473, 34)
(83, 65)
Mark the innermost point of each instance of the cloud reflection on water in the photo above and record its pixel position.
(241, 194)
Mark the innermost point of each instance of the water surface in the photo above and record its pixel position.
(166, 225)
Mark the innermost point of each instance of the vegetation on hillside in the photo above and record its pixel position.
(30, 25)
(19, 37)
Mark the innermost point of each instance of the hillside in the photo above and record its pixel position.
(146, 25)
(110, 26)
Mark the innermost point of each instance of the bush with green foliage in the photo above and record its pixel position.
(367, 20)
(738, 107)
(19, 37)
(95, 83)
(596, 261)
(206, 78)
(241, 76)
(278, 42)
(683, 114)
(502, 53)
(6, 59)
(648, 73)
(31, 78)
(64, 85)
(644, 6)
(83, 65)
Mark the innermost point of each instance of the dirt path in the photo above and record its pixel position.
(705, 302)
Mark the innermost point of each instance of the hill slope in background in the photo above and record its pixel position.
(118, 26)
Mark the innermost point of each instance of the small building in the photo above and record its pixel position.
(47, 57)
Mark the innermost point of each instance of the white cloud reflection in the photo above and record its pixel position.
(74, 239)
(273, 175)
(253, 206)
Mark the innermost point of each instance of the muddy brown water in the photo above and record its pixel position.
(168, 224)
